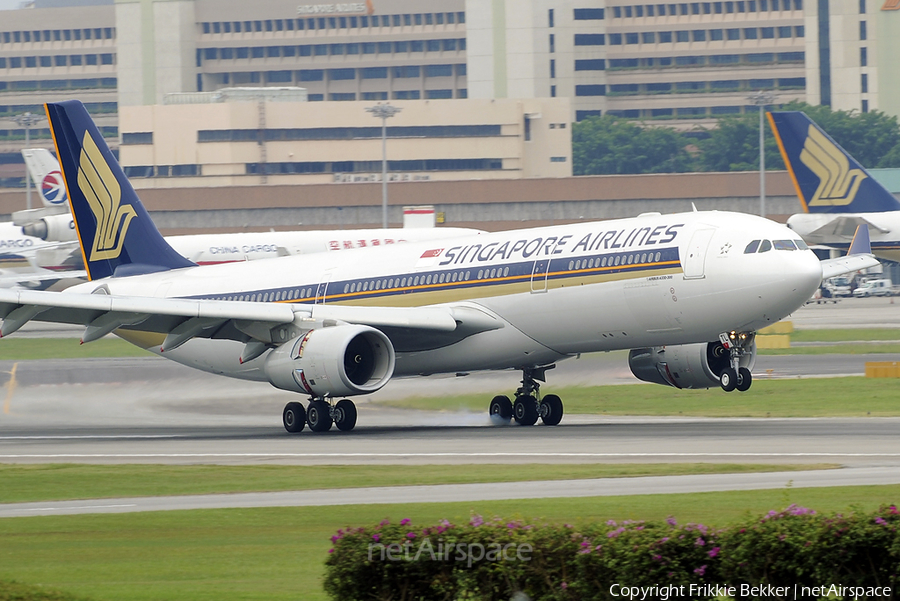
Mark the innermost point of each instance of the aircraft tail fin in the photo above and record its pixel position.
(117, 236)
(827, 178)
(44, 170)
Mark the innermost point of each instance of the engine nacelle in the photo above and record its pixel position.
(53, 228)
(341, 360)
(686, 365)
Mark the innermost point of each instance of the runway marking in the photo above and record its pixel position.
(404, 455)
(93, 436)
(80, 507)
(10, 388)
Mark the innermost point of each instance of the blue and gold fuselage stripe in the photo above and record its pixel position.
(454, 284)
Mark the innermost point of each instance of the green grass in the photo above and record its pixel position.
(56, 482)
(863, 348)
(22, 349)
(11, 590)
(812, 397)
(272, 554)
(842, 335)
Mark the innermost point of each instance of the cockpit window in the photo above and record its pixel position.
(766, 246)
(751, 248)
(784, 245)
(801, 244)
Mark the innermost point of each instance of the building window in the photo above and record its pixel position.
(750, 33)
(862, 7)
(438, 94)
(552, 91)
(862, 30)
(665, 37)
(312, 75)
(438, 70)
(631, 38)
(865, 106)
(593, 64)
(864, 83)
(768, 33)
(648, 37)
(615, 39)
(682, 36)
(617, 12)
(75, 60)
(593, 39)
(699, 35)
(433, 45)
(550, 17)
(863, 57)
(374, 73)
(784, 32)
(590, 90)
(342, 97)
(406, 71)
(628, 13)
(715, 35)
(799, 31)
(552, 69)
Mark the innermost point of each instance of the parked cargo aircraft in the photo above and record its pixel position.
(686, 292)
(211, 249)
(836, 192)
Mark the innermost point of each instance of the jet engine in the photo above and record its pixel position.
(341, 360)
(686, 365)
(53, 228)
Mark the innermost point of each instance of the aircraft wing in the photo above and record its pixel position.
(859, 256)
(845, 227)
(183, 319)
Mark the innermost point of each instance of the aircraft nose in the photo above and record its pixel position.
(805, 274)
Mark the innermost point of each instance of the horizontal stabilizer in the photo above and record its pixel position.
(861, 245)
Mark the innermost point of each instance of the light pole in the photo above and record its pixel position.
(384, 112)
(27, 120)
(761, 99)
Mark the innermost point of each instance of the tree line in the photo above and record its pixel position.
(613, 145)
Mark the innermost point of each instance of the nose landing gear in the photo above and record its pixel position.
(528, 406)
(737, 345)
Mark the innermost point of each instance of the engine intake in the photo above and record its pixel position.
(686, 365)
(342, 360)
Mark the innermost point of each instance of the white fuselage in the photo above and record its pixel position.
(558, 291)
(836, 230)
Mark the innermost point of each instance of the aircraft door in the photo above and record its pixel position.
(322, 289)
(694, 263)
(539, 275)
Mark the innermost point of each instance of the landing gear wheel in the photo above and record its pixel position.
(345, 415)
(525, 410)
(294, 417)
(501, 409)
(744, 379)
(318, 416)
(551, 410)
(728, 379)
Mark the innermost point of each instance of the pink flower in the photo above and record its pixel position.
(410, 535)
(385, 522)
(671, 521)
(880, 521)
(564, 586)
(616, 532)
(700, 571)
(892, 510)
(611, 523)
(331, 550)
(699, 542)
(405, 521)
(714, 551)
(376, 537)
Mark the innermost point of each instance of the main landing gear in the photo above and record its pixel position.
(320, 414)
(528, 406)
(737, 345)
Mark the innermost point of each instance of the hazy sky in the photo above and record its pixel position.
(9, 4)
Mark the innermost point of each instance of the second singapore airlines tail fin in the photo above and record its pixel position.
(44, 170)
(117, 236)
(827, 178)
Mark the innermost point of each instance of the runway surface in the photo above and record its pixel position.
(449, 493)
(149, 410)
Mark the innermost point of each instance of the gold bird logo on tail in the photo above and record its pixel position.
(102, 191)
(838, 183)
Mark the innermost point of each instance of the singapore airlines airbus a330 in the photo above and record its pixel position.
(684, 292)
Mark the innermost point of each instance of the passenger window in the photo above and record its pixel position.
(751, 248)
(784, 245)
(766, 246)
(801, 245)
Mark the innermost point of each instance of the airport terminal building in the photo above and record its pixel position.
(684, 62)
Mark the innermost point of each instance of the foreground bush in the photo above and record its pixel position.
(495, 559)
